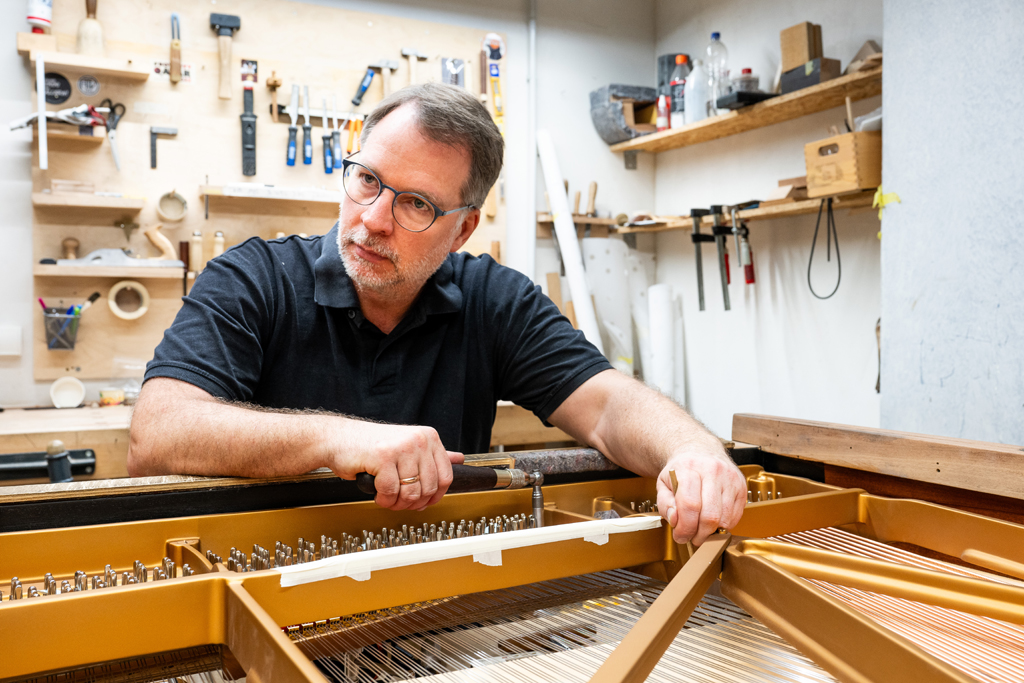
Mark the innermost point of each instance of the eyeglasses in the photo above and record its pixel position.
(413, 212)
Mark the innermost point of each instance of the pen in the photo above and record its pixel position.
(42, 304)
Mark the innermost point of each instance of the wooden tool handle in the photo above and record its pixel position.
(592, 199)
(161, 242)
(90, 9)
(464, 479)
(224, 49)
(175, 61)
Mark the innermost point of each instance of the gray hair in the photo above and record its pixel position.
(452, 116)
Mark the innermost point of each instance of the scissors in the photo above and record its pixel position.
(113, 118)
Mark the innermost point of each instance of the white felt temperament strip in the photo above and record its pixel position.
(485, 549)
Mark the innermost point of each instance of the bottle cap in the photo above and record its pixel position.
(745, 71)
(681, 59)
(716, 35)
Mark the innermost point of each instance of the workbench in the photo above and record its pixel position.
(105, 431)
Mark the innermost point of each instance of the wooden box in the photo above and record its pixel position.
(800, 44)
(844, 164)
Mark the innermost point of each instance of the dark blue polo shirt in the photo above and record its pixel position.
(278, 324)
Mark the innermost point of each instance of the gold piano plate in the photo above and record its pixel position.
(821, 572)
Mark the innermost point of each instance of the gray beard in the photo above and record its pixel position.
(407, 280)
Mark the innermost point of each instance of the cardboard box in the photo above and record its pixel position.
(800, 44)
(844, 164)
(812, 73)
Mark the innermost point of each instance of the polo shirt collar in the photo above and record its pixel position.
(334, 288)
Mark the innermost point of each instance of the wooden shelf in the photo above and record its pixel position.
(124, 68)
(134, 272)
(578, 219)
(800, 208)
(272, 200)
(84, 200)
(786, 107)
(63, 132)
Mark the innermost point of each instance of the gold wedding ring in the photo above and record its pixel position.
(409, 480)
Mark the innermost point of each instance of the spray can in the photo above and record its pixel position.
(664, 111)
(40, 15)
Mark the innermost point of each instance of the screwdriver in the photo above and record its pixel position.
(328, 142)
(307, 129)
(335, 132)
(293, 129)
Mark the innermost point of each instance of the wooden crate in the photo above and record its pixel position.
(844, 164)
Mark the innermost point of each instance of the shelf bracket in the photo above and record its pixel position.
(629, 157)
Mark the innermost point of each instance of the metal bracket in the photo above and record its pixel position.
(33, 465)
(629, 157)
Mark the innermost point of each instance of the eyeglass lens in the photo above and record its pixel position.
(412, 211)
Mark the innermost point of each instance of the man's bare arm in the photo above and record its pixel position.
(649, 434)
(178, 428)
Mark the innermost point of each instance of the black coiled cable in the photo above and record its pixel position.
(830, 232)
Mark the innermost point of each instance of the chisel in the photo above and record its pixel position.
(307, 129)
(335, 132)
(328, 141)
(293, 129)
(248, 130)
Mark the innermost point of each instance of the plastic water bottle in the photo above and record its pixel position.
(697, 93)
(718, 71)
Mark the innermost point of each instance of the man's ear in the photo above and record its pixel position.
(469, 225)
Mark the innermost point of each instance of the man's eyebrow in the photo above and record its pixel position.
(423, 193)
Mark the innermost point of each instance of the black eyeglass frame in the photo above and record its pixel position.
(438, 211)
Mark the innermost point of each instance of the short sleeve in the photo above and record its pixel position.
(540, 358)
(219, 337)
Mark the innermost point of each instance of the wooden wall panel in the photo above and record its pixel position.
(325, 48)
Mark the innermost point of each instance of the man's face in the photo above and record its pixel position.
(381, 256)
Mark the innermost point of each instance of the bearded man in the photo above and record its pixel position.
(378, 348)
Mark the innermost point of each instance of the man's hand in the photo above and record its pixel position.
(711, 495)
(392, 453)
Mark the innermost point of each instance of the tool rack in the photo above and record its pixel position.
(325, 48)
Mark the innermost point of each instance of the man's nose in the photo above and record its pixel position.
(377, 217)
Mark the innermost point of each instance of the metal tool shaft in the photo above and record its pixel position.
(723, 269)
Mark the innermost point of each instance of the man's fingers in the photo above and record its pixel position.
(386, 482)
(443, 466)
(710, 511)
(688, 506)
(456, 458)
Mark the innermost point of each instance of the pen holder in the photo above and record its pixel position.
(61, 330)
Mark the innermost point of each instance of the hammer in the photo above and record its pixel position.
(225, 25)
(413, 55)
(386, 66)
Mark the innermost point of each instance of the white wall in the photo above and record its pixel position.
(779, 351)
(580, 46)
(16, 303)
(953, 301)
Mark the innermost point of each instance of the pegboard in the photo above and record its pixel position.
(327, 49)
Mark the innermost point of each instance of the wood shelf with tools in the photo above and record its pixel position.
(135, 272)
(226, 199)
(802, 207)
(76, 137)
(86, 200)
(817, 98)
